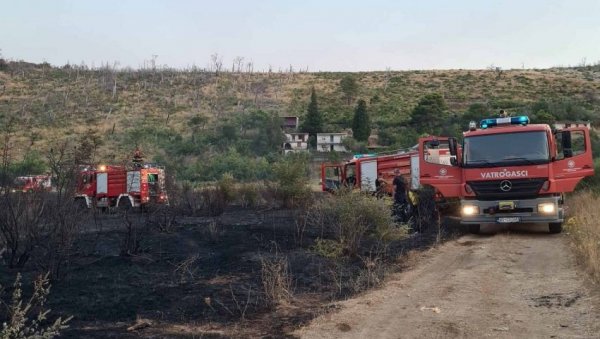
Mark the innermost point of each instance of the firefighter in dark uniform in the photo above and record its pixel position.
(400, 200)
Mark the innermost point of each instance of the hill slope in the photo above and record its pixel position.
(152, 108)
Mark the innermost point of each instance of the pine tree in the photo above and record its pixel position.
(313, 123)
(430, 113)
(349, 87)
(361, 126)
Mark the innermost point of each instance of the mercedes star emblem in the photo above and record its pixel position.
(505, 185)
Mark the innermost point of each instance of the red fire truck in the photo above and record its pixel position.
(118, 186)
(506, 171)
(363, 169)
(32, 183)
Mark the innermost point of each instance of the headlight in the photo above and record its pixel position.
(470, 210)
(546, 208)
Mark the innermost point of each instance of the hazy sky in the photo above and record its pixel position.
(323, 35)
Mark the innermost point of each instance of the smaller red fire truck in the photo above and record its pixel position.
(32, 183)
(363, 169)
(119, 186)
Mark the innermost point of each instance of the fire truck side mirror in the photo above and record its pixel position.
(452, 146)
(453, 149)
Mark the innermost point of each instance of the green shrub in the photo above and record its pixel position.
(291, 177)
(351, 216)
(328, 248)
(227, 186)
(249, 194)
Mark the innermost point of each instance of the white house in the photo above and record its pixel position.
(328, 142)
(295, 142)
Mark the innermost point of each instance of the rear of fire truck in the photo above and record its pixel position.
(510, 171)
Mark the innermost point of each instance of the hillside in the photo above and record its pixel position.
(185, 115)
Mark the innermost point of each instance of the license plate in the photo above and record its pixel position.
(508, 220)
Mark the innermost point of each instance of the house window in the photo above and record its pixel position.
(331, 138)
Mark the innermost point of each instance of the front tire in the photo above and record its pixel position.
(555, 227)
(474, 229)
(124, 204)
(81, 205)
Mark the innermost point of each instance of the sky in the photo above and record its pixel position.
(336, 35)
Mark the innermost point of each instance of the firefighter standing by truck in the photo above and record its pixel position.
(400, 200)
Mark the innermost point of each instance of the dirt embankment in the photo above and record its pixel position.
(507, 285)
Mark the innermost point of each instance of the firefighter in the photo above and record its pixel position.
(400, 201)
(379, 186)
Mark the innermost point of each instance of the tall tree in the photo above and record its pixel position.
(313, 122)
(361, 125)
(430, 113)
(349, 87)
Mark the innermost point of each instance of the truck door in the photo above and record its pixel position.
(331, 177)
(439, 168)
(573, 160)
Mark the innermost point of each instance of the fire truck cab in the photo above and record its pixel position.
(509, 171)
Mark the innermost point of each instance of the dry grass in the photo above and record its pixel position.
(584, 231)
(276, 280)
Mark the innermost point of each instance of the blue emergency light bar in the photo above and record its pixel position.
(520, 120)
(358, 156)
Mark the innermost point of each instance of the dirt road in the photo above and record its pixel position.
(509, 284)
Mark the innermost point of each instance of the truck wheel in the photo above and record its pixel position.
(81, 205)
(555, 227)
(124, 204)
(474, 229)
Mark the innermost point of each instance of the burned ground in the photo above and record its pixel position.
(205, 275)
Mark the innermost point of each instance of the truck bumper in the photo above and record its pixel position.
(524, 211)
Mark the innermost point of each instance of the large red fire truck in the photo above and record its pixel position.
(119, 186)
(506, 171)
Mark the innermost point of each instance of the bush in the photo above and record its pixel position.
(350, 216)
(276, 280)
(328, 248)
(227, 186)
(593, 182)
(213, 201)
(583, 228)
(291, 176)
(29, 320)
(249, 195)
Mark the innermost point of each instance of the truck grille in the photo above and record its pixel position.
(519, 188)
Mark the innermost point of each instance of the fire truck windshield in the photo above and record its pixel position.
(507, 149)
